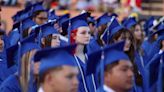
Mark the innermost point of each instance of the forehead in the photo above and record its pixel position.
(125, 63)
(69, 69)
(43, 13)
(84, 28)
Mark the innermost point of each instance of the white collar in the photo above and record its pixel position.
(40, 89)
(108, 89)
(161, 51)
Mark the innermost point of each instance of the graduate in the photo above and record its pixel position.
(57, 74)
(48, 36)
(154, 73)
(149, 40)
(22, 53)
(114, 64)
(5, 71)
(97, 42)
(156, 44)
(119, 33)
(79, 33)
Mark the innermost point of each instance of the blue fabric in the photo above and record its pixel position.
(5, 71)
(153, 71)
(7, 87)
(15, 87)
(149, 47)
(93, 46)
(88, 79)
(14, 37)
(63, 43)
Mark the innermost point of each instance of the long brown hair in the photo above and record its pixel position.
(47, 41)
(123, 32)
(138, 43)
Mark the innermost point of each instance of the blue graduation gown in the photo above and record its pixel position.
(15, 87)
(89, 82)
(11, 84)
(14, 36)
(147, 45)
(93, 46)
(153, 71)
(5, 71)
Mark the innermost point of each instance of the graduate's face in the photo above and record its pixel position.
(120, 76)
(82, 35)
(55, 42)
(138, 32)
(41, 18)
(1, 43)
(125, 37)
(64, 80)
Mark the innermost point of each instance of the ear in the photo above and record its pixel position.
(43, 41)
(48, 78)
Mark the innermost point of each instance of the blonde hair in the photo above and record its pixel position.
(25, 70)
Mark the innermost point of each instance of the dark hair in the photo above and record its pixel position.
(47, 41)
(109, 67)
(138, 43)
(42, 77)
(36, 13)
(123, 31)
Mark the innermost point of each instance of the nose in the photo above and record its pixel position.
(130, 73)
(88, 34)
(75, 81)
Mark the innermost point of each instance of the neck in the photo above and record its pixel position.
(79, 52)
(116, 89)
(46, 88)
(79, 49)
(162, 48)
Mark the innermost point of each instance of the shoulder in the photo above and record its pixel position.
(11, 84)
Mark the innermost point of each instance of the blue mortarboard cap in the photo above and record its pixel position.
(78, 21)
(148, 24)
(131, 21)
(114, 27)
(104, 19)
(16, 25)
(15, 17)
(91, 20)
(112, 53)
(28, 44)
(160, 30)
(27, 23)
(38, 7)
(52, 15)
(45, 29)
(63, 18)
(48, 29)
(115, 53)
(65, 26)
(53, 57)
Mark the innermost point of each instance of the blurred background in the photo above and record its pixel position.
(140, 8)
